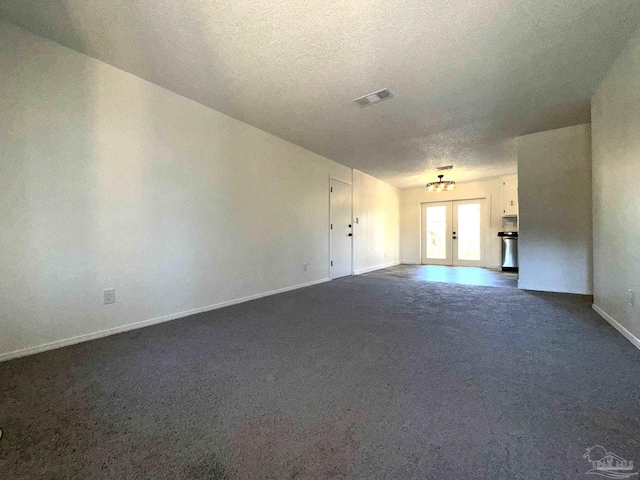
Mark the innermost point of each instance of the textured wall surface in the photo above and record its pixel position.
(616, 198)
(109, 181)
(554, 189)
(376, 205)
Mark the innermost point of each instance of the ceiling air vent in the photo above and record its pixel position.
(374, 97)
(446, 167)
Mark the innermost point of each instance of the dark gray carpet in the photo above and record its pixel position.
(364, 377)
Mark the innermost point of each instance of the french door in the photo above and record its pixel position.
(454, 233)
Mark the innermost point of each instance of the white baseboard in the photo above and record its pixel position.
(626, 333)
(145, 323)
(377, 267)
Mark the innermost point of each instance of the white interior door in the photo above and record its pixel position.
(341, 229)
(437, 232)
(454, 233)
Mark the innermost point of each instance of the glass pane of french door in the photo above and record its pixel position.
(469, 223)
(437, 232)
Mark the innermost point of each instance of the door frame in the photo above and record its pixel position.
(487, 203)
(331, 178)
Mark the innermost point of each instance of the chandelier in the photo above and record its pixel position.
(440, 185)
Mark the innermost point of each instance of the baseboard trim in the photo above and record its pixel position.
(145, 323)
(377, 267)
(614, 323)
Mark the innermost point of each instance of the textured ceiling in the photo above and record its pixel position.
(467, 76)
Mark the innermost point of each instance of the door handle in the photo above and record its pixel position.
(455, 238)
(351, 234)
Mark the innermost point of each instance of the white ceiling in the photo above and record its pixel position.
(468, 76)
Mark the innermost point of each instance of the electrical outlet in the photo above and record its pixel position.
(304, 267)
(108, 296)
(632, 298)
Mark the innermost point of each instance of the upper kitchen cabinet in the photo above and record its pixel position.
(510, 195)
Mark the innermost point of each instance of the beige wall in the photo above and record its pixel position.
(410, 212)
(376, 209)
(554, 189)
(109, 181)
(616, 191)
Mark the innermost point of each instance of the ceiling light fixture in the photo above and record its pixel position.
(440, 185)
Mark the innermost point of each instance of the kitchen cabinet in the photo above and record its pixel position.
(510, 196)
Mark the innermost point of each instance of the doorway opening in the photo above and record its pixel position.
(454, 233)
